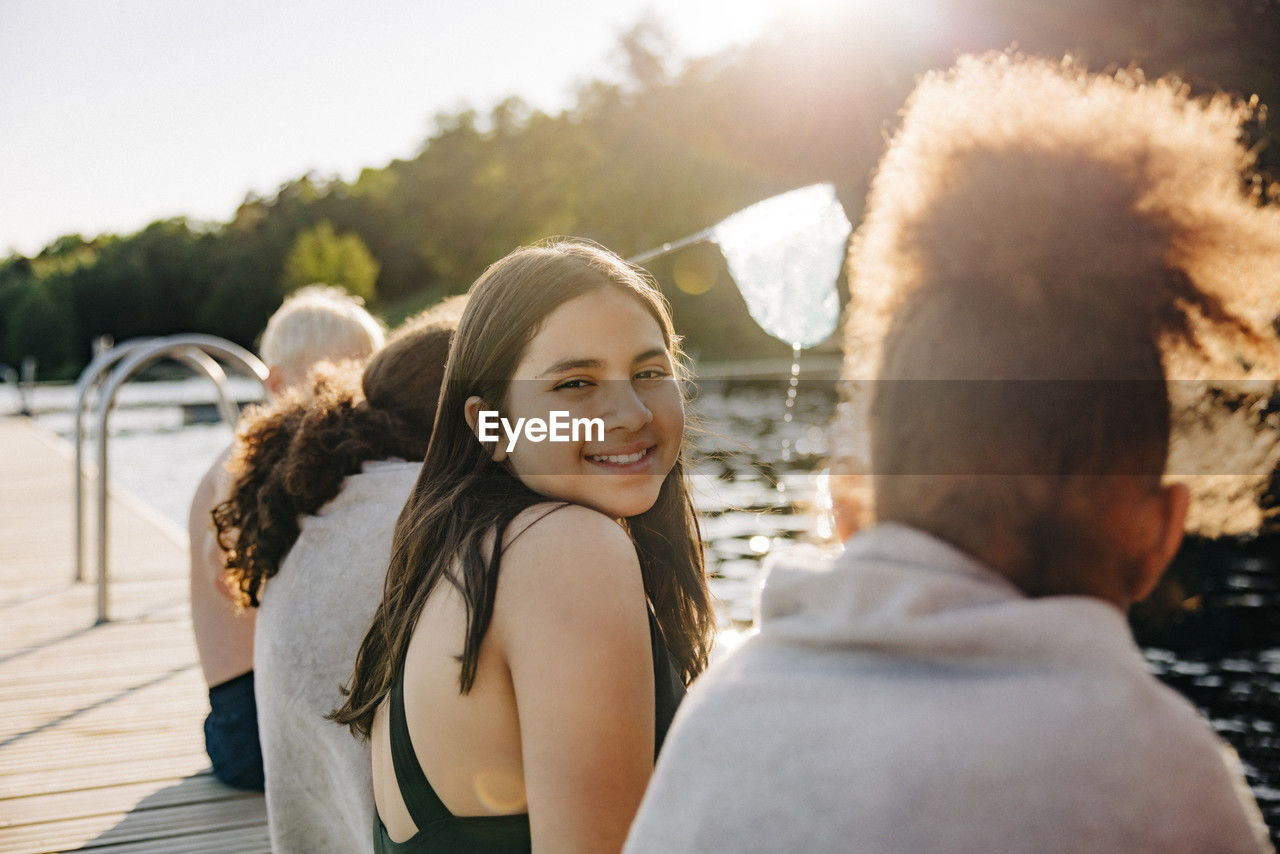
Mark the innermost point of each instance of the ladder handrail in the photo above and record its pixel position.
(90, 380)
(199, 359)
(182, 347)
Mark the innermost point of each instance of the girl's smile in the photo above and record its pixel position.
(635, 459)
(598, 356)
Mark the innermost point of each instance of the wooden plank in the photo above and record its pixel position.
(36, 493)
(18, 719)
(115, 677)
(100, 653)
(101, 741)
(246, 840)
(68, 751)
(72, 612)
(93, 773)
(28, 709)
(141, 824)
(103, 720)
(106, 720)
(110, 641)
(98, 641)
(117, 800)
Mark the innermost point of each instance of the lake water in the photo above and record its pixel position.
(751, 504)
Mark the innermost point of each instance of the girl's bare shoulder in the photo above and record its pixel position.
(561, 526)
(564, 550)
(570, 586)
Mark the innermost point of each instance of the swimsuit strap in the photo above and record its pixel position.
(421, 800)
(419, 797)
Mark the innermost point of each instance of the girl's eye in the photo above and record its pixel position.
(652, 374)
(572, 384)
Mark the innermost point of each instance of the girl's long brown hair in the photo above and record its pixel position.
(462, 494)
(291, 456)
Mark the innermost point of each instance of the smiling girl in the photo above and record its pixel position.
(546, 601)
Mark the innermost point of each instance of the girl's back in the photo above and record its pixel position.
(569, 630)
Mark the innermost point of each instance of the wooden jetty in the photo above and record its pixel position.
(101, 744)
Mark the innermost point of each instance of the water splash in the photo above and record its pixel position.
(785, 253)
(788, 410)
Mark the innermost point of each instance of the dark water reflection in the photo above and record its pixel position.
(1223, 655)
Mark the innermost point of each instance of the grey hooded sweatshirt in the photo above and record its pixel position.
(314, 615)
(904, 698)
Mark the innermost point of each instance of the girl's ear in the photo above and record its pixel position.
(1171, 505)
(493, 447)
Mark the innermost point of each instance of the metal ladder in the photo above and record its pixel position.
(105, 374)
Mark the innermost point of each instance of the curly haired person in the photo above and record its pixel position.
(1042, 250)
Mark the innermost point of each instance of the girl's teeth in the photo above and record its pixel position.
(623, 459)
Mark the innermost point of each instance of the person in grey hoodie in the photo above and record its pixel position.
(1042, 250)
(319, 477)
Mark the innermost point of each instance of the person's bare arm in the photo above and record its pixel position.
(223, 633)
(207, 557)
(570, 618)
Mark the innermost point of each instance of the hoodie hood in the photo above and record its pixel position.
(901, 592)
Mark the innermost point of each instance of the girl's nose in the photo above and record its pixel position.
(624, 409)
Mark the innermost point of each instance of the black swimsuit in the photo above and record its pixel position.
(441, 830)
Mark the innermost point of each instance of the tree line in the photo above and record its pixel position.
(665, 151)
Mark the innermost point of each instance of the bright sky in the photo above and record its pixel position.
(114, 113)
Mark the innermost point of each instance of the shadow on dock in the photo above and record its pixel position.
(196, 814)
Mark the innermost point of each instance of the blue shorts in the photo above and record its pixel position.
(231, 734)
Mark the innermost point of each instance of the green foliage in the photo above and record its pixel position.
(15, 282)
(397, 312)
(41, 326)
(322, 255)
(148, 283)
